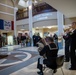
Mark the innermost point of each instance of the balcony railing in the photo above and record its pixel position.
(39, 9)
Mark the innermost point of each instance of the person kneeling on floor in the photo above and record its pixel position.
(50, 51)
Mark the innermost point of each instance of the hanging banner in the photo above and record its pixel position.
(7, 25)
(1, 24)
(12, 27)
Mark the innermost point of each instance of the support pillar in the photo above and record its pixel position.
(60, 22)
(30, 21)
(15, 27)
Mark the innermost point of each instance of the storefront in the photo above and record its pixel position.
(45, 30)
(6, 31)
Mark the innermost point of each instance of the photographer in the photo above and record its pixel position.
(50, 50)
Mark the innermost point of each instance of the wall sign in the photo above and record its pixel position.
(7, 25)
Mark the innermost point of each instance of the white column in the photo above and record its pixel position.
(60, 22)
(15, 27)
(30, 21)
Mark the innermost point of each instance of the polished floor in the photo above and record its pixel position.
(23, 61)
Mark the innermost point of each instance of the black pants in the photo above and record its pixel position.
(73, 58)
(49, 63)
(39, 66)
(67, 51)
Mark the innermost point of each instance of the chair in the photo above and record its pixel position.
(59, 63)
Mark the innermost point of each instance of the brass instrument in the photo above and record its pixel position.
(68, 29)
(41, 44)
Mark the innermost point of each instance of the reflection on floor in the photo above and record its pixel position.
(23, 61)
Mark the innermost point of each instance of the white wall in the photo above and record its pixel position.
(49, 22)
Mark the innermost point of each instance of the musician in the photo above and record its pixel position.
(67, 44)
(47, 50)
(73, 47)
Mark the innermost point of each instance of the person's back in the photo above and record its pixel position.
(23, 38)
(50, 51)
(51, 54)
(55, 37)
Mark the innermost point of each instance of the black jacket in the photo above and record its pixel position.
(73, 39)
(49, 53)
(67, 38)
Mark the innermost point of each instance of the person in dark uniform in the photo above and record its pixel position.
(34, 40)
(67, 44)
(73, 47)
(38, 38)
(50, 53)
(23, 39)
(0, 41)
(55, 37)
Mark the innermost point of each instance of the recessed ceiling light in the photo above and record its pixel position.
(44, 27)
(49, 27)
(22, 29)
(37, 27)
(35, 1)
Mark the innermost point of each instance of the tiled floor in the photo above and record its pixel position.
(23, 61)
(32, 70)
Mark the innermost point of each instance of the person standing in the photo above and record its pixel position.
(23, 38)
(18, 39)
(55, 37)
(0, 41)
(34, 40)
(67, 44)
(28, 40)
(38, 38)
(73, 47)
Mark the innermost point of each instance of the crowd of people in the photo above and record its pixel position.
(24, 39)
(2, 41)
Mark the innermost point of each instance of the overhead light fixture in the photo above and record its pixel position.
(44, 27)
(49, 27)
(25, 3)
(37, 27)
(22, 3)
(22, 29)
(35, 1)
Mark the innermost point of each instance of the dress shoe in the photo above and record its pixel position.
(55, 71)
(40, 73)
